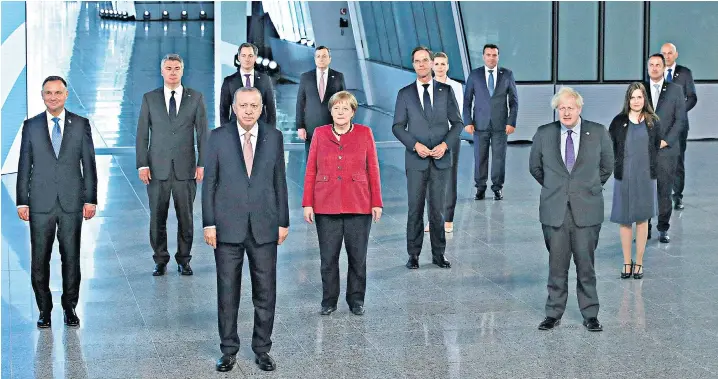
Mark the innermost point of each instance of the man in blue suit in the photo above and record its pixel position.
(492, 91)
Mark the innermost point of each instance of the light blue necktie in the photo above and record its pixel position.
(491, 82)
(669, 77)
(56, 136)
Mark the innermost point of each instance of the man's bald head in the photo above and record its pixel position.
(669, 51)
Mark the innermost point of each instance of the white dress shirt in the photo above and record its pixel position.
(575, 136)
(673, 72)
(420, 88)
(486, 75)
(244, 78)
(458, 93)
(178, 97)
(50, 126)
(253, 138)
(656, 94)
(326, 78)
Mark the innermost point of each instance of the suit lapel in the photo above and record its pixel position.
(417, 100)
(235, 133)
(66, 130)
(499, 74)
(46, 132)
(557, 140)
(662, 96)
(259, 149)
(582, 143)
(184, 104)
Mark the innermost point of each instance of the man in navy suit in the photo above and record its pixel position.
(492, 91)
(427, 121)
(682, 76)
(247, 76)
(56, 189)
(245, 208)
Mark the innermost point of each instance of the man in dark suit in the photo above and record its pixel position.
(246, 76)
(424, 112)
(496, 106)
(669, 103)
(245, 208)
(316, 87)
(682, 76)
(169, 118)
(56, 189)
(572, 159)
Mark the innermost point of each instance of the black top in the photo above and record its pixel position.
(618, 130)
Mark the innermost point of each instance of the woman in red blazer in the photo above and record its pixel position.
(342, 192)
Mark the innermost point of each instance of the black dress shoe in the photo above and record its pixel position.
(441, 262)
(413, 263)
(226, 363)
(627, 270)
(549, 323)
(44, 321)
(638, 273)
(160, 269)
(326, 311)
(184, 269)
(265, 362)
(679, 204)
(71, 318)
(498, 195)
(480, 195)
(663, 237)
(357, 310)
(592, 325)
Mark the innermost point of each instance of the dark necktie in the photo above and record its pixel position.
(570, 155)
(669, 77)
(247, 83)
(173, 106)
(491, 83)
(427, 101)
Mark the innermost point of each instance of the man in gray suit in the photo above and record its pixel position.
(169, 118)
(423, 113)
(492, 91)
(669, 103)
(682, 76)
(245, 208)
(316, 87)
(572, 159)
(56, 189)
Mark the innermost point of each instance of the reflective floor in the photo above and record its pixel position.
(476, 320)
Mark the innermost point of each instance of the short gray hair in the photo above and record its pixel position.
(172, 57)
(246, 89)
(566, 91)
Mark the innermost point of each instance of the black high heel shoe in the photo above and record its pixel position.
(625, 274)
(638, 275)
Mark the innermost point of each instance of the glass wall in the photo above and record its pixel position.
(392, 29)
(290, 18)
(577, 41)
(522, 30)
(623, 41)
(693, 28)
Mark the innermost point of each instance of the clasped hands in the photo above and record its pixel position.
(436, 153)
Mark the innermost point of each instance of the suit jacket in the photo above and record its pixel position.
(583, 186)
(412, 126)
(498, 110)
(71, 177)
(342, 176)
(236, 203)
(671, 111)
(262, 82)
(163, 144)
(618, 130)
(311, 111)
(684, 78)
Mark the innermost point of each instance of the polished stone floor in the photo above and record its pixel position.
(476, 320)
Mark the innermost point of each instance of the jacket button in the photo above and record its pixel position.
(339, 167)
(340, 157)
(340, 148)
(339, 178)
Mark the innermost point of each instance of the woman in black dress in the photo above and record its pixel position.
(636, 140)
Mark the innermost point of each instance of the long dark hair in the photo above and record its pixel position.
(647, 113)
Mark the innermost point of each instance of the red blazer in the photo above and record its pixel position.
(342, 176)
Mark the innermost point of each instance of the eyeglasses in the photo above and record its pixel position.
(253, 107)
